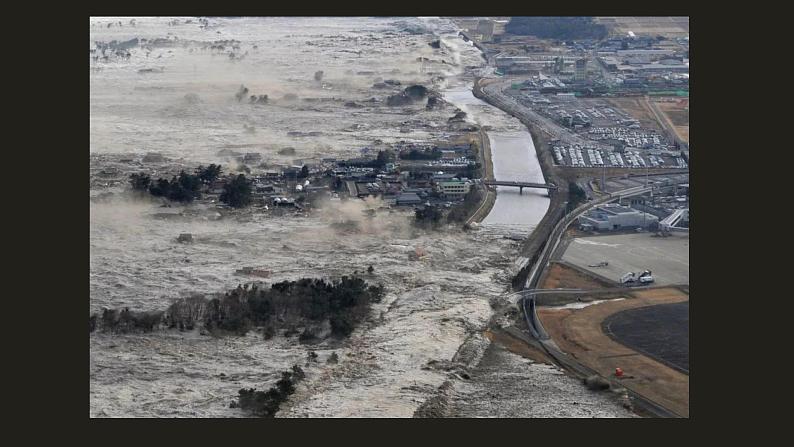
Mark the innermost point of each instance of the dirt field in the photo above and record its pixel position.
(665, 26)
(678, 114)
(638, 109)
(561, 276)
(517, 346)
(579, 333)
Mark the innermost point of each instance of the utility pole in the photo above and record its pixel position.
(646, 176)
(603, 179)
(644, 213)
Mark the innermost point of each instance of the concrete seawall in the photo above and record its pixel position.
(489, 198)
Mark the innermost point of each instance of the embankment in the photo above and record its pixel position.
(534, 244)
(489, 198)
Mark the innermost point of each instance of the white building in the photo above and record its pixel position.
(615, 217)
(454, 189)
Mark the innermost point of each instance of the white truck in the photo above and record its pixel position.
(631, 278)
(646, 277)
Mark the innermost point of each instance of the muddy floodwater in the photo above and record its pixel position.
(168, 87)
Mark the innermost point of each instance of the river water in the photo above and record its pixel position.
(512, 149)
(514, 159)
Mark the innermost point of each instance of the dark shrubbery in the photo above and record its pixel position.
(304, 172)
(416, 91)
(561, 28)
(140, 182)
(383, 158)
(237, 193)
(307, 303)
(269, 332)
(426, 154)
(160, 188)
(473, 171)
(208, 174)
(183, 188)
(125, 321)
(241, 93)
(576, 195)
(428, 217)
(342, 324)
(461, 212)
(266, 403)
(307, 336)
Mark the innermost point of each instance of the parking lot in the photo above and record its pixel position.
(666, 257)
(617, 184)
(607, 127)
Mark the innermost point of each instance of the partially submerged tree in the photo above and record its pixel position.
(304, 172)
(208, 174)
(140, 182)
(237, 193)
(267, 403)
(428, 216)
(241, 93)
(160, 188)
(383, 158)
(183, 188)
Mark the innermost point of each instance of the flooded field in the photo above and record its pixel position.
(174, 94)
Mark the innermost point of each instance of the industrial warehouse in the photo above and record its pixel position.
(616, 217)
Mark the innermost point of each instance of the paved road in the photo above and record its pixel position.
(494, 92)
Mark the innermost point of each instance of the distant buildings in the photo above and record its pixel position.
(615, 217)
(454, 189)
(408, 198)
(580, 70)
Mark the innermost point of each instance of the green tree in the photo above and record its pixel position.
(237, 193)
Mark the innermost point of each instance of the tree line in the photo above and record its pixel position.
(185, 187)
(309, 303)
(433, 216)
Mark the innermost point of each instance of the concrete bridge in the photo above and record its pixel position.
(521, 185)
